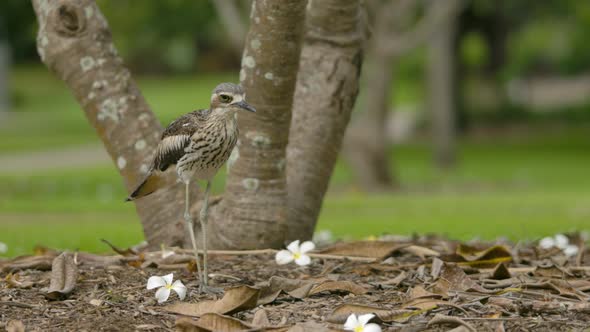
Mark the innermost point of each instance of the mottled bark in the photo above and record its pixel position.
(253, 213)
(441, 95)
(327, 86)
(75, 43)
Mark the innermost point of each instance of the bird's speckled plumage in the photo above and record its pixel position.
(199, 142)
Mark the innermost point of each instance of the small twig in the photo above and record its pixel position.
(18, 304)
(274, 251)
(219, 275)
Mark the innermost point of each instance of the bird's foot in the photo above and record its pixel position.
(209, 290)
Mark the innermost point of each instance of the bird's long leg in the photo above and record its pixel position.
(191, 230)
(203, 219)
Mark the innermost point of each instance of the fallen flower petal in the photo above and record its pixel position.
(547, 242)
(180, 289)
(3, 248)
(162, 294)
(359, 324)
(155, 281)
(284, 257)
(306, 247)
(570, 250)
(561, 241)
(303, 260)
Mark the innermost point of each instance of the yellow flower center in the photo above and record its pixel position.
(359, 329)
(168, 286)
(296, 255)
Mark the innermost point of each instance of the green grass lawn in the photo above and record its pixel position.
(522, 187)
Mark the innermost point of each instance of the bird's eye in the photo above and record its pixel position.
(225, 98)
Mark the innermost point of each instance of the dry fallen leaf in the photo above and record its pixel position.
(487, 258)
(338, 286)
(17, 281)
(452, 278)
(422, 299)
(501, 272)
(234, 300)
(341, 313)
(15, 326)
(260, 318)
(311, 327)
(419, 251)
(276, 285)
(64, 274)
(374, 249)
(212, 322)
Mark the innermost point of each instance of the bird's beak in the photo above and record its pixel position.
(245, 106)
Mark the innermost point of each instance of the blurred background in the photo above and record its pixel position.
(473, 120)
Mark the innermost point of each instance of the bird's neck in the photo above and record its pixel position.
(228, 116)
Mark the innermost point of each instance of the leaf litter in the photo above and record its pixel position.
(413, 284)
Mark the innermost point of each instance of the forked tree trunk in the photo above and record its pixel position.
(253, 213)
(327, 86)
(75, 43)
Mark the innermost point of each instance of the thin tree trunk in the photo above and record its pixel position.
(5, 63)
(75, 43)
(367, 149)
(441, 95)
(253, 213)
(327, 86)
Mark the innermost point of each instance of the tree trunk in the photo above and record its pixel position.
(441, 76)
(327, 86)
(5, 63)
(367, 149)
(74, 41)
(253, 213)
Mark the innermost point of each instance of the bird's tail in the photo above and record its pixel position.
(151, 183)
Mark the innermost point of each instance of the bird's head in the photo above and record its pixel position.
(229, 97)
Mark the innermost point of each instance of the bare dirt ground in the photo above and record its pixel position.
(425, 284)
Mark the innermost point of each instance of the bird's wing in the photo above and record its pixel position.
(175, 139)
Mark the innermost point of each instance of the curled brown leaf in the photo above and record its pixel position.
(64, 274)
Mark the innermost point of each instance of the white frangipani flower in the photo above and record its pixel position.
(165, 284)
(3, 248)
(359, 324)
(296, 253)
(559, 241)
